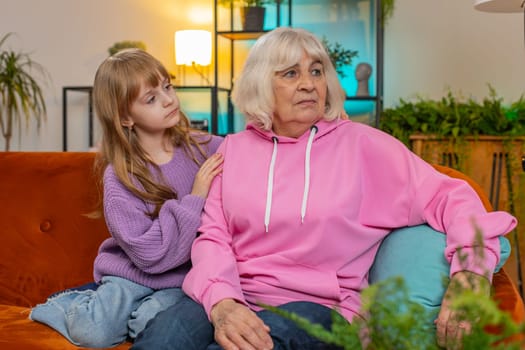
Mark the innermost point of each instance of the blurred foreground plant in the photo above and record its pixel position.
(393, 321)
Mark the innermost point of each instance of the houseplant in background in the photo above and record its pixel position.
(387, 10)
(20, 92)
(252, 12)
(484, 139)
(339, 56)
(126, 44)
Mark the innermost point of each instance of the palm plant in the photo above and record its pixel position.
(387, 9)
(20, 93)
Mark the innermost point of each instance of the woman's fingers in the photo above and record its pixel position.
(237, 327)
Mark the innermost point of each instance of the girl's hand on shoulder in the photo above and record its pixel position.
(209, 169)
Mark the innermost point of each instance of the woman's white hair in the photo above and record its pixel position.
(275, 51)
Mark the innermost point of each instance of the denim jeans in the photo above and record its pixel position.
(185, 326)
(105, 316)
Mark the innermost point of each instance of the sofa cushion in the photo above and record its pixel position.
(45, 233)
(18, 332)
(417, 254)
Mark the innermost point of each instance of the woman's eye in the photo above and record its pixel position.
(317, 72)
(290, 73)
(150, 99)
(168, 86)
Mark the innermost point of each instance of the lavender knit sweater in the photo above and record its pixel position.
(154, 253)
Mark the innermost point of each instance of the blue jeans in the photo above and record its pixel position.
(185, 325)
(105, 316)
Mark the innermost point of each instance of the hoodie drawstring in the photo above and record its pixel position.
(271, 171)
(270, 186)
(313, 131)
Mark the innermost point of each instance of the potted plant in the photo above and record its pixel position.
(387, 10)
(20, 93)
(339, 56)
(484, 139)
(252, 12)
(126, 44)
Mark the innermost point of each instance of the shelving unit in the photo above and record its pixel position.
(232, 35)
(356, 25)
(379, 44)
(200, 119)
(82, 89)
(220, 124)
(222, 120)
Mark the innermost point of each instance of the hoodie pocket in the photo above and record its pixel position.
(283, 276)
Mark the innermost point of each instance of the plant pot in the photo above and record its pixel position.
(494, 163)
(252, 18)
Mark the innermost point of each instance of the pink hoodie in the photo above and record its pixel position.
(301, 219)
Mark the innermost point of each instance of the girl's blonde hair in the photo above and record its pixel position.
(275, 51)
(117, 84)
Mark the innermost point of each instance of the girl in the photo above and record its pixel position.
(156, 177)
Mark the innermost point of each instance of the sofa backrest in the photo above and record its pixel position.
(47, 243)
(459, 175)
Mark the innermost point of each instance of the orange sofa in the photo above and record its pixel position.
(48, 244)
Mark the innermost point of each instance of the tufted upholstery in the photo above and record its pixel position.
(47, 244)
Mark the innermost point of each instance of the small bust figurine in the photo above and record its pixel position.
(362, 74)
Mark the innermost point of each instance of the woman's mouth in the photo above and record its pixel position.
(307, 102)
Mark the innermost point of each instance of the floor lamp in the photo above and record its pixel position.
(502, 6)
(507, 6)
(193, 49)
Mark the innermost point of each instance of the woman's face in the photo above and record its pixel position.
(300, 97)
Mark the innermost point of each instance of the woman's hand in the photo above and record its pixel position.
(450, 326)
(237, 327)
(209, 169)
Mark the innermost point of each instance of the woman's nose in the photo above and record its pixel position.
(305, 82)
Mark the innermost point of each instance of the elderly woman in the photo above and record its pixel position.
(301, 207)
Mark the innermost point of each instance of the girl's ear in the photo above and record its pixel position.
(127, 122)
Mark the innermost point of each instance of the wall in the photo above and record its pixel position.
(429, 46)
(71, 38)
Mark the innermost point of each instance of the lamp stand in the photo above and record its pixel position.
(202, 71)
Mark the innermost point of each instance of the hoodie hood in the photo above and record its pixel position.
(315, 132)
(323, 127)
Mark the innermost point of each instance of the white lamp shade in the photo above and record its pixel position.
(503, 6)
(193, 47)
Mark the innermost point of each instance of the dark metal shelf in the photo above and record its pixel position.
(241, 35)
(84, 89)
(233, 36)
(361, 98)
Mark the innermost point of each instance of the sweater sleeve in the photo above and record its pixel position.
(214, 275)
(153, 245)
(408, 191)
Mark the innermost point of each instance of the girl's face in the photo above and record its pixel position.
(154, 110)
